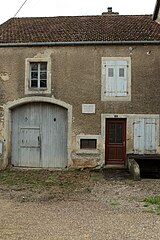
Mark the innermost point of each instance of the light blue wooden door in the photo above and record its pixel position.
(39, 135)
(29, 147)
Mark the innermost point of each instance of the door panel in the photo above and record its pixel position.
(29, 147)
(115, 141)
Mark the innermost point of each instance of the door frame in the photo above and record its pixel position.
(8, 124)
(118, 162)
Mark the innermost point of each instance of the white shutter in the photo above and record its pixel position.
(110, 78)
(144, 136)
(121, 70)
(138, 126)
(150, 135)
(116, 78)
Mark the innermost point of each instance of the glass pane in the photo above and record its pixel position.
(34, 66)
(43, 83)
(92, 143)
(43, 66)
(121, 72)
(34, 75)
(34, 83)
(111, 132)
(43, 75)
(119, 138)
(110, 72)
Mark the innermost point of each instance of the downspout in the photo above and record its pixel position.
(30, 44)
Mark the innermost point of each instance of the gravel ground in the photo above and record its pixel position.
(113, 209)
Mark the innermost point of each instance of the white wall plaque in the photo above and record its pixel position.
(88, 108)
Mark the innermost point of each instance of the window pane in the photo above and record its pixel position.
(34, 83)
(43, 83)
(43, 66)
(119, 138)
(121, 72)
(92, 143)
(111, 132)
(43, 75)
(34, 75)
(110, 72)
(88, 143)
(34, 66)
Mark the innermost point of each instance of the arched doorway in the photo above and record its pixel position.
(40, 132)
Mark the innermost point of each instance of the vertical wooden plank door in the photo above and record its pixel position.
(39, 135)
(29, 147)
(115, 141)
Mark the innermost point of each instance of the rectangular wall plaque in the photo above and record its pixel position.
(88, 108)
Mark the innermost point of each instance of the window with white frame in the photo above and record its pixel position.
(116, 79)
(37, 76)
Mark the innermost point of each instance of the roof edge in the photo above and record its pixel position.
(32, 44)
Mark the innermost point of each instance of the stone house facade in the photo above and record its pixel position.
(79, 91)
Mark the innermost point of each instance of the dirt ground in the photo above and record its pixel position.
(78, 205)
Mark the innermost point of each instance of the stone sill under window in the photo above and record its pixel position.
(37, 89)
(87, 151)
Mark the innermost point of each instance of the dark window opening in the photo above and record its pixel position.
(88, 143)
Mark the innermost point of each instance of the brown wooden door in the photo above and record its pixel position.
(115, 141)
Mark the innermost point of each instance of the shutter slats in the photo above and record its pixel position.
(145, 136)
(116, 85)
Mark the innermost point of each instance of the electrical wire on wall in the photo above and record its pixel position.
(20, 8)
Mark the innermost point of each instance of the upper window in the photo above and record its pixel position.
(38, 79)
(38, 75)
(116, 79)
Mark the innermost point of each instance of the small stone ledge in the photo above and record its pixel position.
(134, 169)
(86, 160)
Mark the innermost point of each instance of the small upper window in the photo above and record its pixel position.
(38, 76)
(116, 79)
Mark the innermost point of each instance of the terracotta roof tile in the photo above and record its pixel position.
(80, 28)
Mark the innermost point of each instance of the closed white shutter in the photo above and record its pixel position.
(139, 138)
(150, 135)
(116, 78)
(121, 71)
(110, 78)
(145, 140)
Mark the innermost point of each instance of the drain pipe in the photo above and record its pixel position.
(32, 44)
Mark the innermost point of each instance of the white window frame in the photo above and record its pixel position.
(104, 95)
(37, 90)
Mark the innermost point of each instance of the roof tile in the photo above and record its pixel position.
(80, 28)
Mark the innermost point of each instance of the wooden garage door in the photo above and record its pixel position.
(39, 135)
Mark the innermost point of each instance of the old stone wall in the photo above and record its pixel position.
(76, 80)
